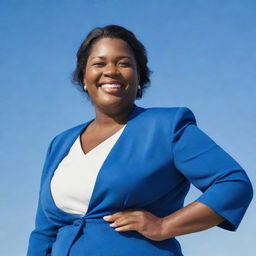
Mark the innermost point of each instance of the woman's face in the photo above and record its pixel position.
(111, 75)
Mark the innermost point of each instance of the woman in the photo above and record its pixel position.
(115, 185)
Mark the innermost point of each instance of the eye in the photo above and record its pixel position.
(124, 64)
(98, 63)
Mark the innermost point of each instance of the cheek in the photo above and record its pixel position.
(132, 76)
(91, 75)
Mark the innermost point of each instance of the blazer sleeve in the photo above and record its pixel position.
(225, 185)
(44, 233)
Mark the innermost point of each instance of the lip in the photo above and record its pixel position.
(114, 91)
(111, 82)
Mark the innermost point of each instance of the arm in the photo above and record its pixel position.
(192, 218)
(44, 234)
(226, 188)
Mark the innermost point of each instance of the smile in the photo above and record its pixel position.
(111, 85)
(111, 88)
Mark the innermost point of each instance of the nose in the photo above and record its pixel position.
(110, 69)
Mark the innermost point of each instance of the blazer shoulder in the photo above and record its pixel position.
(67, 134)
(174, 114)
(71, 130)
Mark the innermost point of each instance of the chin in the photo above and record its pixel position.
(114, 105)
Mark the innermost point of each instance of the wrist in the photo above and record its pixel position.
(166, 228)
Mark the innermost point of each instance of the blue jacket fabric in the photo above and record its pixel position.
(151, 166)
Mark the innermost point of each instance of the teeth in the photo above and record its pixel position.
(111, 86)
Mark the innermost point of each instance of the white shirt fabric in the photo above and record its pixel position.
(73, 181)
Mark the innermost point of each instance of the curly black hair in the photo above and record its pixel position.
(113, 31)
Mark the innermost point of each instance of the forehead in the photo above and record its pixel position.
(108, 47)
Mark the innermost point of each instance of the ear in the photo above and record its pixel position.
(84, 82)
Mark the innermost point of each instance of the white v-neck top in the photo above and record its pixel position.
(73, 181)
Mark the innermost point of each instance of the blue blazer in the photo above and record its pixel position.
(151, 166)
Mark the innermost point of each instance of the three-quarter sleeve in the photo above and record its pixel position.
(225, 185)
(44, 233)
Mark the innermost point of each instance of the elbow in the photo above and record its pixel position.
(246, 188)
(241, 187)
(243, 190)
(249, 191)
(236, 206)
(230, 197)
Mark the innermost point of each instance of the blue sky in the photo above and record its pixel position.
(202, 54)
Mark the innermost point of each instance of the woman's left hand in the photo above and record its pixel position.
(139, 220)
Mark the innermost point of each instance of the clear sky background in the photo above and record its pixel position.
(203, 56)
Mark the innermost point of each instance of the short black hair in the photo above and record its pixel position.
(113, 31)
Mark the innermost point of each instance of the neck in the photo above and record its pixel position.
(109, 119)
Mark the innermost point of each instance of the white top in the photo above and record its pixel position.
(73, 181)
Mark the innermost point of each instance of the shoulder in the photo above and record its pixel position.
(169, 114)
(67, 135)
(71, 130)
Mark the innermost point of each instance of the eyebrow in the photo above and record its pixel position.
(119, 57)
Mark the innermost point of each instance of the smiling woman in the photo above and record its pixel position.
(108, 190)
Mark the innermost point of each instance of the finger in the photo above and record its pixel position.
(123, 220)
(112, 217)
(125, 228)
